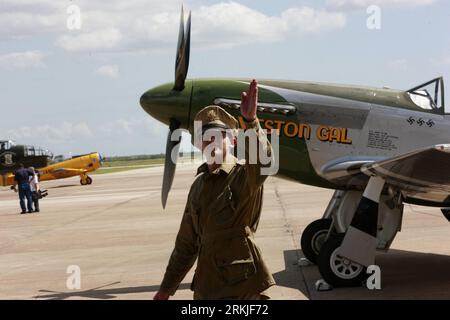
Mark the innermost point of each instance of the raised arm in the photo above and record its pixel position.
(249, 104)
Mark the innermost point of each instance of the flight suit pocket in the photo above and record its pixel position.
(234, 260)
(224, 207)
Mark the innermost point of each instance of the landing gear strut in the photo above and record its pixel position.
(339, 242)
(85, 180)
(343, 257)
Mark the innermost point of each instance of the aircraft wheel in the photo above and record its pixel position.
(337, 270)
(83, 182)
(313, 237)
(89, 180)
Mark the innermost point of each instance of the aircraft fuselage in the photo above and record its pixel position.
(326, 131)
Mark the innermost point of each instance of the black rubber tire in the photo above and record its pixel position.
(309, 238)
(89, 180)
(324, 264)
(83, 182)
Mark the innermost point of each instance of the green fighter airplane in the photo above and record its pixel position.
(12, 154)
(377, 147)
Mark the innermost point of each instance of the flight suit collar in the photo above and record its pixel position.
(227, 166)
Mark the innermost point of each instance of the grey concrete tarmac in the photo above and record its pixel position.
(116, 232)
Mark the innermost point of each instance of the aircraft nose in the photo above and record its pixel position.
(149, 103)
(163, 103)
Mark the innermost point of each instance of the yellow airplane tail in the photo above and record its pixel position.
(6, 180)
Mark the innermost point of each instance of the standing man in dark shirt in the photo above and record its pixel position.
(22, 179)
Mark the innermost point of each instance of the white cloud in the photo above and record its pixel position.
(19, 18)
(110, 71)
(52, 134)
(119, 136)
(229, 24)
(355, 4)
(55, 135)
(145, 125)
(99, 40)
(22, 60)
(27, 17)
(142, 25)
(308, 20)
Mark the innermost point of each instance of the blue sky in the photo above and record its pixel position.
(76, 91)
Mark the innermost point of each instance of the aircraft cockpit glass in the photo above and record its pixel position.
(429, 95)
(45, 153)
(6, 145)
(422, 99)
(31, 151)
(42, 152)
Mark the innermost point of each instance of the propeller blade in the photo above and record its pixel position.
(183, 49)
(187, 46)
(172, 148)
(180, 42)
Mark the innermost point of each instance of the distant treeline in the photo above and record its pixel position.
(134, 157)
(60, 158)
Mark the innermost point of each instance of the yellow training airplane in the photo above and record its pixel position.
(77, 166)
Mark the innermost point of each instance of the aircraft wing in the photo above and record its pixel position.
(422, 170)
(67, 170)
